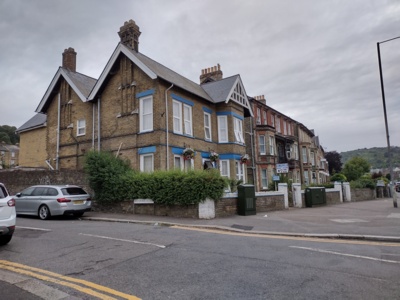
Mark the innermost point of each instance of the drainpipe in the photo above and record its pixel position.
(253, 154)
(166, 125)
(93, 123)
(58, 130)
(98, 124)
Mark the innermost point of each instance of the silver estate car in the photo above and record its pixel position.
(52, 200)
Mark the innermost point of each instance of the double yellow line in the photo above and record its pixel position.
(80, 285)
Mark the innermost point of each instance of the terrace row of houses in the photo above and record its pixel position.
(159, 120)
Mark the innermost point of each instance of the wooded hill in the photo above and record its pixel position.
(377, 157)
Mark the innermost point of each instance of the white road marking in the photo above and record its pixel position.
(348, 220)
(33, 228)
(346, 254)
(394, 215)
(122, 240)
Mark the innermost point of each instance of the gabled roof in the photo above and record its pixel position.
(37, 121)
(228, 89)
(153, 69)
(81, 84)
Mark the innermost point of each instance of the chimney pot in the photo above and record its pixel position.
(213, 73)
(129, 34)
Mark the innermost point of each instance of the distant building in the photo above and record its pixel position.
(9, 156)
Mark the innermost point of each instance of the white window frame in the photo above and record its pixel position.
(284, 127)
(224, 166)
(304, 154)
(187, 120)
(289, 128)
(81, 127)
(177, 116)
(273, 120)
(240, 171)
(182, 118)
(261, 144)
(271, 145)
(312, 158)
(222, 132)
(265, 120)
(306, 178)
(142, 157)
(188, 164)
(264, 178)
(144, 114)
(278, 124)
(258, 116)
(207, 128)
(181, 162)
(238, 129)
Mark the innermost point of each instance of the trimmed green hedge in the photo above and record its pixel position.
(113, 181)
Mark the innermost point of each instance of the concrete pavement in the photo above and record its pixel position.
(375, 220)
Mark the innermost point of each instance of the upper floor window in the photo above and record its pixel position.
(273, 120)
(278, 124)
(182, 114)
(261, 142)
(222, 129)
(12, 154)
(146, 114)
(312, 158)
(81, 127)
(304, 154)
(258, 116)
(271, 145)
(238, 128)
(289, 128)
(284, 128)
(207, 126)
(265, 121)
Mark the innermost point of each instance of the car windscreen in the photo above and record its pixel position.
(73, 191)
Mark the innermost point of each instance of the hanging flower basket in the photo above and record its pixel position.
(188, 153)
(244, 159)
(214, 156)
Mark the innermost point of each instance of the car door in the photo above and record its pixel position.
(5, 210)
(36, 199)
(23, 200)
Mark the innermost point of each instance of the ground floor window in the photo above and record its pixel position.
(306, 179)
(264, 178)
(240, 171)
(178, 162)
(224, 168)
(147, 162)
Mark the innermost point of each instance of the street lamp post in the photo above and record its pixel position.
(386, 122)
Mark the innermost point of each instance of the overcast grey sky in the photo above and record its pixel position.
(315, 61)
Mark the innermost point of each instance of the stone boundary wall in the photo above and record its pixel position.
(17, 180)
(332, 197)
(362, 194)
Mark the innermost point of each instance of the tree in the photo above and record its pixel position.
(355, 168)
(8, 135)
(335, 162)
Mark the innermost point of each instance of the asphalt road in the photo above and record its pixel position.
(159, 262)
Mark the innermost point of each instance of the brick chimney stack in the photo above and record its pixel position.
(211, 74)
(261, 98)
(69, 59)
(129, 34)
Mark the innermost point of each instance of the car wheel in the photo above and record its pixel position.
(44, 212)
(78, 215)
(5, 239)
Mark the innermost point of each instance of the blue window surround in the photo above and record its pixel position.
(183, 100)
(207, 110)
(145, 93)
(229, 113)
(222, 156)
(177, 151)
(146, 150)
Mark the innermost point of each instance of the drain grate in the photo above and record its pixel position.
(243, 227)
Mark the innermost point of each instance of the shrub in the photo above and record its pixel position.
(105, 172)
(114, 181)
(338, 177)
(363, 183)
